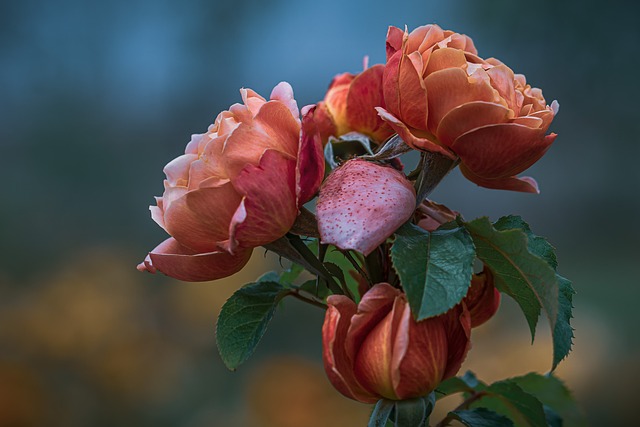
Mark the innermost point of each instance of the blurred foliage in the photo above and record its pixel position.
(96, 97)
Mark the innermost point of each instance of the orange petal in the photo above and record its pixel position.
(469, 116)
(523, 184)
(457, 326)
(501, 150)
(201, 217)
(390, 85)
(179, 262)
(502, 79)
(395, 36)
(364, 95)
(445, 58)
(412, 93)
(450, 88)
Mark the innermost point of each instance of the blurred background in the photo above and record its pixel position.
(96, 97)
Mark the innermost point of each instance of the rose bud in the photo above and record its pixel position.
(361, 204)
(442, 97)
(238, 186)
(431, 215)
(483, 299)
(349, 106)
(377, 350)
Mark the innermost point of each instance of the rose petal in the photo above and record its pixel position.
(457, 326)
(177, 170)
(413, 141)
(412, 93)
(268, 209)
(450, 88)
(501, 150)
(365, 93)
(395, 37)
(283, 92)
(361, 204)
(338, 366)
(179, 262)
(445, 58)
(470, 116)
(523, 184)
(200, 218)
(310, 166)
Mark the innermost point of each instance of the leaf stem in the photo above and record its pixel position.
(359, 269)
(308, 299)
(315, 263)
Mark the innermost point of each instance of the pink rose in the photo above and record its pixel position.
(238, 186)
(442, 97)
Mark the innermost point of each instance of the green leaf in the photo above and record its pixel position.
(507, 398)
(434, 268)
(244, 319)
(562, 331)
(315, 287)
(481, 417)
(289, 276)
(412, 413)
(381, 413)
(526, 277)
(553, 394)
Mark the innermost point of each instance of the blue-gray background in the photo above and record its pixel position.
(96, 97)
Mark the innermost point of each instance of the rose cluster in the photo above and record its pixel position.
(244, 184)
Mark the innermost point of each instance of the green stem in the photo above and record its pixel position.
(315, 263)
(308, 299)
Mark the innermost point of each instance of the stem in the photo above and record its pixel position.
(434, 168)
(309, 300)
(464, 405)
(317, 265)
(359, 269)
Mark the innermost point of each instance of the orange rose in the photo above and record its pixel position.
(442, 97)
(238, 186)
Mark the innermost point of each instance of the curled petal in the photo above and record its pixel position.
(415, 142)
(361, 204)
(395, 37)
(283, 92)
(451, 88)
(182, 263)
(469, 116)
(457, 326)
(483, 299)
(177, 170)
(524, 184)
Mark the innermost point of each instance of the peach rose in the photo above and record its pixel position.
(238, 186)
(442, 97)
(377, 350)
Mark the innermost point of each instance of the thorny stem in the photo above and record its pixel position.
(464, 405)
(308, 299)
(359, 269)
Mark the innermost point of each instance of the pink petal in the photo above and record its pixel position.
(177, 170)
(268, 209)
(445, 58)
(413, 141)
(450, 88)
(395, 36)
(423, 38)
(523, 184)
(179, 262)
(283, 92)
(338, 366)
(501, 150)
(390, 83)
(469, 116)
(502, 79)
(361, 204)
(310, 166)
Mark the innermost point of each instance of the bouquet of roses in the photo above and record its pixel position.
(393, 270)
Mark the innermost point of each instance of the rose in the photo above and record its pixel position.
(238, 186)
(442, 97)
(349, 106)
(377, 350)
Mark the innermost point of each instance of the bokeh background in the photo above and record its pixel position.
(96, 97)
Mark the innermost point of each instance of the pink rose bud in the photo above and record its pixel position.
(349, 106)
(377, 350)
(238, 186)
(361, 204)
(442, 97)
(483, 299)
